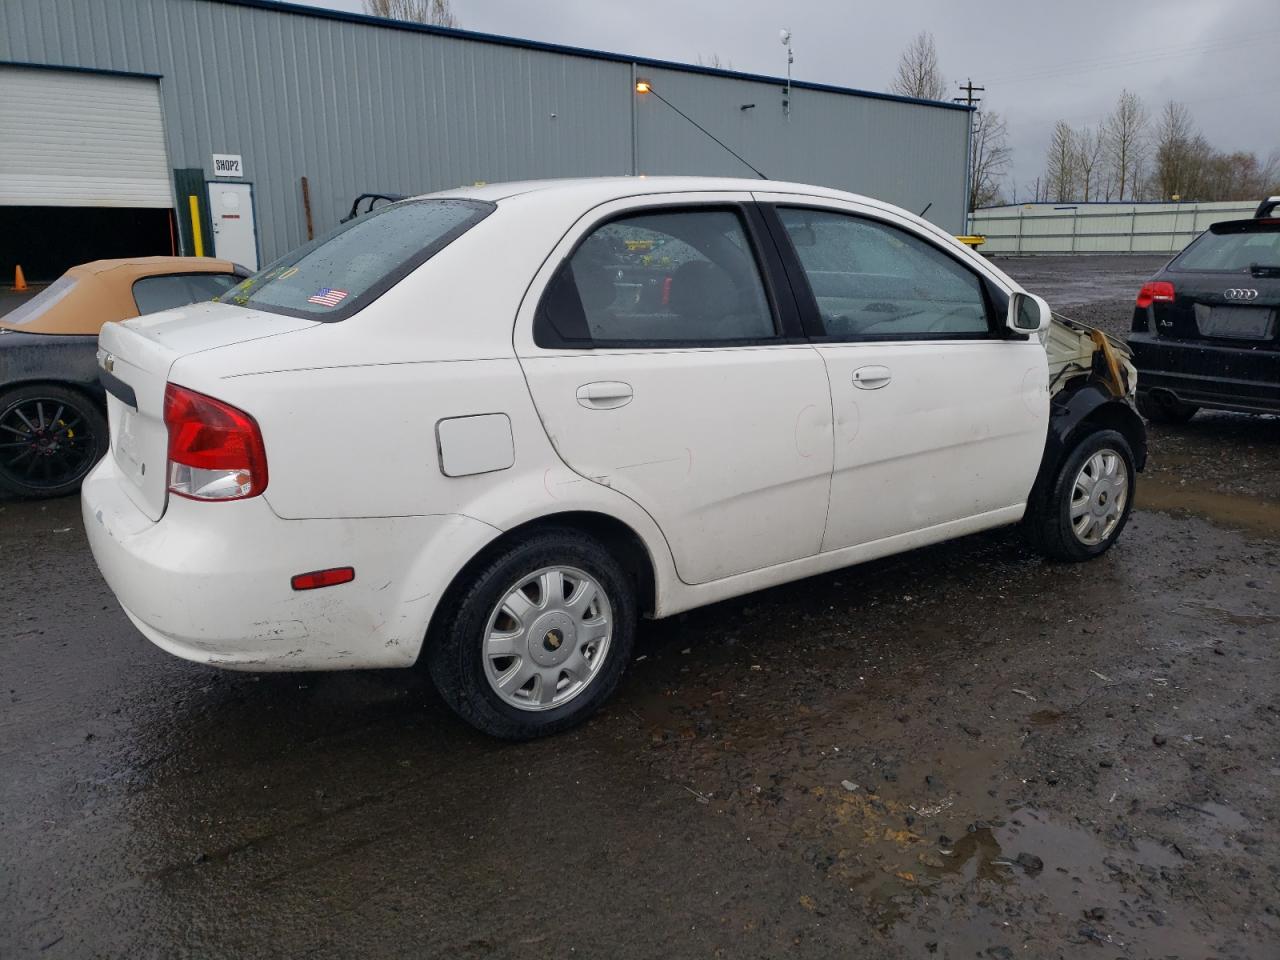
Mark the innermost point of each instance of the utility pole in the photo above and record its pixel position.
(969, 90)
(785, 36)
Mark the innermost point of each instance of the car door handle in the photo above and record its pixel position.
(605, 395)
(871, 378)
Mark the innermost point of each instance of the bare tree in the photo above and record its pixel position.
(1176, 153)
(438, 13)
(1061, 170)
(918, 74)
(1089, 144)
(989, 157)
(1125, 133)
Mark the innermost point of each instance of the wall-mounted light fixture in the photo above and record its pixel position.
(642, 86)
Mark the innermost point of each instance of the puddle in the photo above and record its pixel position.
(1245, 513)
(1230, 819)
(1045, 718)
(1091, 891)
(1236, 619)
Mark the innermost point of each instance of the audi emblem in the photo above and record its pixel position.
(1241, 293)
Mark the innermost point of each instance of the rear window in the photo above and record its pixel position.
(335, 275)
(1232, 248)
(153, 294)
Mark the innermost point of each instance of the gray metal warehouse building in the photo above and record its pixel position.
(157, 126)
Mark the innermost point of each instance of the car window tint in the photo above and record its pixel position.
(337, 274)
(1233, 252)
(670, 276)
(152, 294)
(874, 281)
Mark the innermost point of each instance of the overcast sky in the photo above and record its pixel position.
(1040, 60)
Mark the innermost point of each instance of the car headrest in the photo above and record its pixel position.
(595, 287)
(701, 290)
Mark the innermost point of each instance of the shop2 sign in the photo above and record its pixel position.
(227, 165)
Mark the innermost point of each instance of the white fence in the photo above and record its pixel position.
(1099, 227)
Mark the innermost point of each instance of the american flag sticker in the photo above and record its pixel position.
(328, 297)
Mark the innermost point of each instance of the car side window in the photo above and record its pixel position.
(153, 294)
(873, 281)
(670, 276)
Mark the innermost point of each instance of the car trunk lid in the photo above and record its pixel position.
(135, 358)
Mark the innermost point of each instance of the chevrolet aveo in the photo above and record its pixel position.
(485, 430)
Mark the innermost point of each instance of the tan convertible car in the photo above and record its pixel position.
(53, 424)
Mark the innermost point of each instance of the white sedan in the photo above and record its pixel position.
(486, 429)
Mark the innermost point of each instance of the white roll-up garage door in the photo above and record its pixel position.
(71, 139)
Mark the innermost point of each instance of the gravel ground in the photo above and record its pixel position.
(959, 752)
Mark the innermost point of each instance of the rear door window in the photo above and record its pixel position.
(668, 277)
(334, 276)
(153, 294)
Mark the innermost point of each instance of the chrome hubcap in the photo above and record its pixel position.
(547, 638)
(1098, 497)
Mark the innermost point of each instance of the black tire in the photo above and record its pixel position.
(50, 438)
(1048, 525)
(454, 651)
(1165, 409)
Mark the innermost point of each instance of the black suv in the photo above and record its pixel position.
(1206, 328)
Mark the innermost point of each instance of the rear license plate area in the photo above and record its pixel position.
(1236, 323)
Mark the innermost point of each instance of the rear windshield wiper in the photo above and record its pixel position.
(1264, 269)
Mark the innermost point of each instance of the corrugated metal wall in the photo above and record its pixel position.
(901, 153)
(356, 107)
(1042, 228)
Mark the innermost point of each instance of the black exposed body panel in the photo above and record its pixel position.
(69, 359)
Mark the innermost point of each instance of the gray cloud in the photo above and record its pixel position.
(1039, 61)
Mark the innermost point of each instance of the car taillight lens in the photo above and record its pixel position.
(215, 450)
(1158, 291)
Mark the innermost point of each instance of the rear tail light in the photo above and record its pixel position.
(1158, 291)
(215, 450)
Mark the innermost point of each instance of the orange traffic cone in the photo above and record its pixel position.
(19, 281)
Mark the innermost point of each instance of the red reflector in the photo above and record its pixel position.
(1159, 291)
(323, 578)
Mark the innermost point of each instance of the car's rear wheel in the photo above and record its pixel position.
(536, 638)
(1163, 409)
(50, 437)
(1081, 513)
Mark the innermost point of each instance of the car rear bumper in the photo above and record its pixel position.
(1207, 374)
(210, 582)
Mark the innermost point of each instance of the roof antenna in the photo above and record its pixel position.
(644, 86)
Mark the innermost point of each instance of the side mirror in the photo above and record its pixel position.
(1028, 314)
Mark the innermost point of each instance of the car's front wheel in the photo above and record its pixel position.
(50, 437)
(1081, 512)
(537, 638)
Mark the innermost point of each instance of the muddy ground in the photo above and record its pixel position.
(960, 752)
